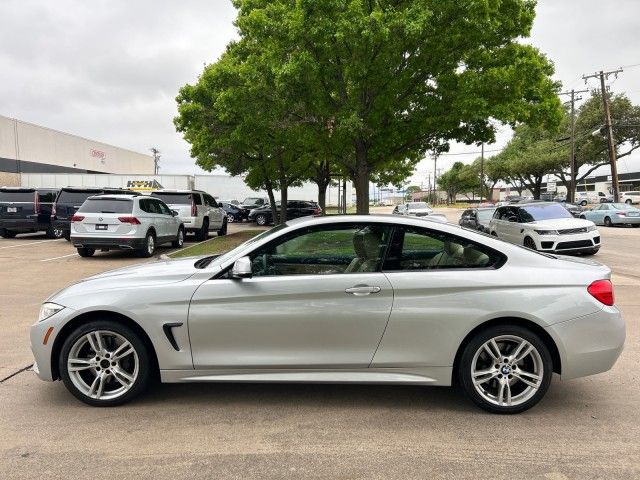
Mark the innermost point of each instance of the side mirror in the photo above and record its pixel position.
(242, 268)
(174, 213)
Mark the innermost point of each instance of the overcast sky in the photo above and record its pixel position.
(109, 70)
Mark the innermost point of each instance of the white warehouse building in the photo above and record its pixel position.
(26, 148)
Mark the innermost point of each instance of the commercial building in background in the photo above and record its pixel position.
(26, 148)
(223, 187)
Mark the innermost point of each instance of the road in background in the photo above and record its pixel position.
(585, 428)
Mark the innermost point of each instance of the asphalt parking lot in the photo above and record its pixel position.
(585, 428)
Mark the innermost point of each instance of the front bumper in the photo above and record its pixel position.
(567, 244)
(110, 243)
(42, 352)
(590, 344)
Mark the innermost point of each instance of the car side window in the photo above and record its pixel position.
(415, 248)
(154, 207)
(197, 199)
(335, 249)
(144, 204)
(163, 207)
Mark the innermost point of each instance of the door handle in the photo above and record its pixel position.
(362, 290)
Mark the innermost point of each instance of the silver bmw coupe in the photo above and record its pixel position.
(346, 299)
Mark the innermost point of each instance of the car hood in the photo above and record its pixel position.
(560, 223)
(146, 274)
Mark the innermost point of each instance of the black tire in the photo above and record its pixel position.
(529, 243)
(231, 218)
(583, 217)
(67, 235)
(86, 252)
(145, 363)
(4, 233)
(261, 220)
(54, 232)
(465, 366)
(223, 229)
(607, 222)
(494, 234)
(179, 241)
(149, 247)
(203, 233)
(628, 201)
(583, 203)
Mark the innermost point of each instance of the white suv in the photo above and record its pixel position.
(115, 222)
(630, 197)
(199, 211)
(545, 226)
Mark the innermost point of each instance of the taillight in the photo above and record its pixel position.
(621, 214)
(53, 210)
(131, 220)
(77, 218)
(194, 209)
(317, 211)
(37, 203)
(602, 290)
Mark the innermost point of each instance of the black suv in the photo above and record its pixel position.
(70, 199)
(27, 210)
(295, 209)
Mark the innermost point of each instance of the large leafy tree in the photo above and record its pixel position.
(395, 79)
(459, 179)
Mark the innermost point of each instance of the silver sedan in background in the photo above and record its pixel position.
(344, 299)
(610, 214)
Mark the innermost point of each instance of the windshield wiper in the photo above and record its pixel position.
(203, 262)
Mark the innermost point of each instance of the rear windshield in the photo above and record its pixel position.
(107, 205)
(17, 196)
(532, 213)
(74, 197)
(174, 198)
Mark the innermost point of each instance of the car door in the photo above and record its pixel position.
(170, 222)
(214, 210)
(317, 298)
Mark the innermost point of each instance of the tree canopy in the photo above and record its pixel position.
(368, 86)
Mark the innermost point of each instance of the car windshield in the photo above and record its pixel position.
(174, 198)
(107, 205)
(251, 200)
(544, 211)
(231, 253)
(16, 196)
(486, 215)
(418, 205)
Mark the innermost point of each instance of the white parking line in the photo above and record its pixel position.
(32, 243)
(57, 258)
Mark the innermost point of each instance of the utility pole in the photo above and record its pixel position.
(156, 160)
(607, 123)
(481, 170)
(435, 178)
(572, 160)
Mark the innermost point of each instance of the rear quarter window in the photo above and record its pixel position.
(75, 197)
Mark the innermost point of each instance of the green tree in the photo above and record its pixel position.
(396, 79)
(460, 178)
(410, 190)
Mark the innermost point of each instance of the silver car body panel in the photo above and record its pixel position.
(291, 328)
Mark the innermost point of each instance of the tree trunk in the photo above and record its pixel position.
(361, 179)
(282, 217)
(272, 199)
(322, 179)
(322, 197)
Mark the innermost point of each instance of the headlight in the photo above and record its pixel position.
(592, 228)
(546, 232)
(48, 309)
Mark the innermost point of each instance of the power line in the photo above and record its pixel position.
(477, 152)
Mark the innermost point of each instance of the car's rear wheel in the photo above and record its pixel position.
(149, 246)
(231, 218)
(4, 233)
(104, 363)
(203, 233)
(583, 203)
(261, 220)
(223, 229)
(86, 251)
(607, 222)
(529, 243)
(505, 369)
(179, 241)
(54, 232)
(628, 201)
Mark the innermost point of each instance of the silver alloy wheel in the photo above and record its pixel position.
(150, 245)
(58, 232)
(103, 365)
(230, 218)
(507, 371)
(261, 220)
(180, 237)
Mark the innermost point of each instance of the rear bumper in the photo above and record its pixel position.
(115, 243)
(616, 220)
(590, 344)
(23, 224)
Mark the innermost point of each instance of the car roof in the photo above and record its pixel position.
(177, 190)
(114, 196)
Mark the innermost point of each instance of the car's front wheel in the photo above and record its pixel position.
(607, 222)
(261, 220)
(628, 201)
(179, 241)
(223, 229)
(104, 363)
(529, 243)
(4, 233)
(231, 218)
(505, 369)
